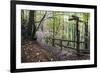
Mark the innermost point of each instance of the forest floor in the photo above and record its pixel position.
(36, 52)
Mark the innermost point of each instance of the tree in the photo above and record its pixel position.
(31, 25)
(86, 17)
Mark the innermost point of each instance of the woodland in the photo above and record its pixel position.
(54, 36)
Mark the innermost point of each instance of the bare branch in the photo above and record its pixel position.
(41, 20)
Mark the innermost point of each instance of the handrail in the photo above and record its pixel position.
(61, 45)
(67, 40)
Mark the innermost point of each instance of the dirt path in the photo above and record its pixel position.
(33, 52)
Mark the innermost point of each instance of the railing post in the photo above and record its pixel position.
(61, 44)
(47, 40)
(53, 42)
(77, 32)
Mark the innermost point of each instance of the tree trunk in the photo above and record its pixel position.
(86, 35)
(31, 25)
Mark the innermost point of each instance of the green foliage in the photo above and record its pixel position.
(56, 24)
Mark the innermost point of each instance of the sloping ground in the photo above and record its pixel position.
(33, 52)
(65, 53)
(36, 52)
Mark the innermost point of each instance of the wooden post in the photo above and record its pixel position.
(77, 32)
(53, 42)
(78, 35)
(61, 44)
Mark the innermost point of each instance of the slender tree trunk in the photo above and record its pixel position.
(86, 35)
(53, 28)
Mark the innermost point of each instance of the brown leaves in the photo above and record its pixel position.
(33, 52)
